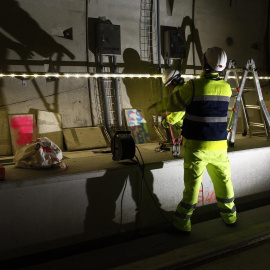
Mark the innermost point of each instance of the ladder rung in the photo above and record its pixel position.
(252, 124)
(241, 75)
(245, 89)
(235, 70)
(256, 107)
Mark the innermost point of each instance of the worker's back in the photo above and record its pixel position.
(205, 123)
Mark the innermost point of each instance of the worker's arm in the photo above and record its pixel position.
(177, 101)
(175, 117)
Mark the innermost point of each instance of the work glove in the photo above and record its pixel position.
(164, 123)
(181, 82)
(178, 126)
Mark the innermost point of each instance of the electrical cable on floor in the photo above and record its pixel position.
(142, 167)
(140, 200)
(121, 207)
(122, 199)
(143, 180)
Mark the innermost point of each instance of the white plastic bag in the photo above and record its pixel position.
(42, 153)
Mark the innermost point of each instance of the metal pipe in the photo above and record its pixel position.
(104, 94)
(192, 35)
(158, 37)
(117, 99)
(87, 62)
(159, 45)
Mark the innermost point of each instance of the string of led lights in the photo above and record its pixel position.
(105, 75)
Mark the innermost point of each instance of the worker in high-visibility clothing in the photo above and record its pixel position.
(206, 102)
(171, 79)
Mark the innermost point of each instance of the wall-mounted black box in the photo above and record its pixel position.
(174, 44)
(108, 39)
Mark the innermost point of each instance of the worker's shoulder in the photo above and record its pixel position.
(186, 84)
(183, 87)
(224, 83)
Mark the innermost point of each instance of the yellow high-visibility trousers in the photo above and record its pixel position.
(218, 167)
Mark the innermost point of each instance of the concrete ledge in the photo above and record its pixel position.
(50, 209)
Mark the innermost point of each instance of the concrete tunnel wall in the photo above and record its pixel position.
(41, 214)
(47, 213)
(33, 43)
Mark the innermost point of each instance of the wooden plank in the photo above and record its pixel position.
(136, 123)
(22, 130)
(84, 138)
(5, 141)
(49, 125)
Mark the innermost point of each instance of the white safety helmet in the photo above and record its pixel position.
(216, 58)
(169, 75)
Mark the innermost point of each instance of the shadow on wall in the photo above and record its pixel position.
(192, 45)
(121, 202)
(192, 40)
(142, 92)
(31, 39)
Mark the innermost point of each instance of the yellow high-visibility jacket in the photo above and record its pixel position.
(206, 101)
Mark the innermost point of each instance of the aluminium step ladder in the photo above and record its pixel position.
(247, 125)
(232, 69)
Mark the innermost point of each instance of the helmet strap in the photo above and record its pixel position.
(177, 80)
(207, 68)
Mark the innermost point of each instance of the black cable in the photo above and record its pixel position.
(142, 167)
(87, 60)
(122, 198)
(141, 198)
(143, 179)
